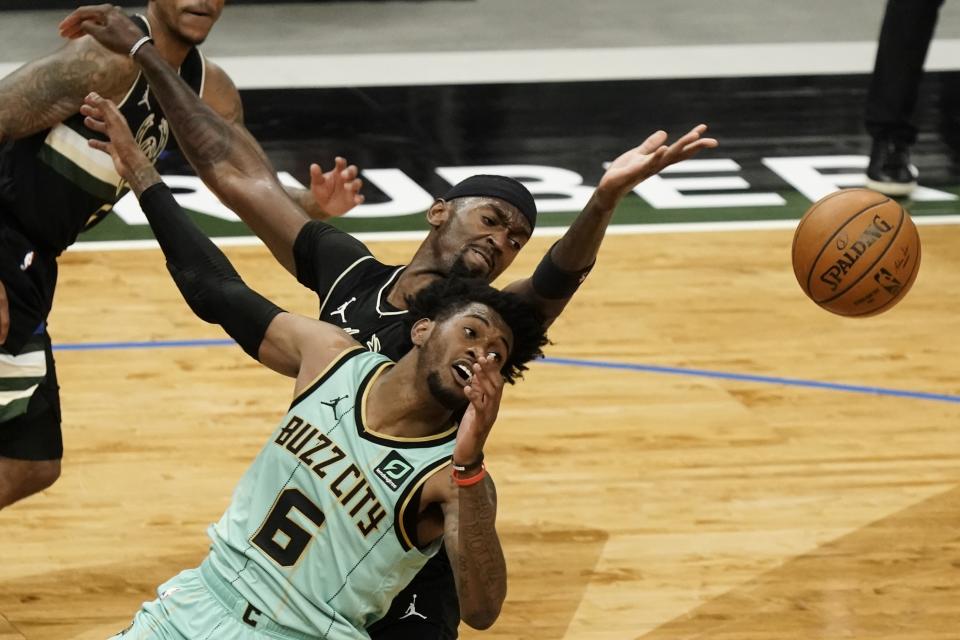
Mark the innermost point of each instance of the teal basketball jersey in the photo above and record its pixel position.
(321, 532)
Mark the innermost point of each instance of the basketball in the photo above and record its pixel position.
(856, 252)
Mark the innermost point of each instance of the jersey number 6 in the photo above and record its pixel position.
(286, 554)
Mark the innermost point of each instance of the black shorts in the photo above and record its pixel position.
(427, 609)
(35, 435)
(29, 276)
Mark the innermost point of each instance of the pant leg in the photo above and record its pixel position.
(30, 422)
(185, 610)
(904, 40)
(427, 609)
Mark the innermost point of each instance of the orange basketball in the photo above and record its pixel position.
(856, 252)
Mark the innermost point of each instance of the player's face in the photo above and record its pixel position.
(456, 344)
(483, 236)
(188, 20)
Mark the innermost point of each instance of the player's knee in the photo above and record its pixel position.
(481, 619)
(47, 473)
(20, 478)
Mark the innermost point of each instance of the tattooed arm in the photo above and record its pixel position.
(470, 537)
(331, 193)
(46, 91)
(470, 512)
(227, 159)
(476, 556)
(277, 226)
(225, 155)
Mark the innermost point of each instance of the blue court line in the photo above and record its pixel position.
(575, 362)
(746, 377)
(160, 344)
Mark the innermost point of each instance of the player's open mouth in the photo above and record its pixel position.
(486, 258)
(197, 12)
(462, 372)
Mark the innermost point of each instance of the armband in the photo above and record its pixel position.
(471, 480)
(470, 466)
(139, 43)
(553, 283)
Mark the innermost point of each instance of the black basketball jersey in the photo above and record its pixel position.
(353, 287)
(357, 303)
(54, 186)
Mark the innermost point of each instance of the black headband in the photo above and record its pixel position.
(502, 187)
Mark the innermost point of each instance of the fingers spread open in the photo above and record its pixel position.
(94, 124)
(71, 24)
(100, 145)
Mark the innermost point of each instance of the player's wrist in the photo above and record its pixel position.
(139, 44)
(605, 199)
(467, 465)
(469, 478)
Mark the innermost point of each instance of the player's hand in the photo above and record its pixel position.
(484, 393)
(648, 159)
(103, 116)
(336, 191)
(4, 314)
(108, 24)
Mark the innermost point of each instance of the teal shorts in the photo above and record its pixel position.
(191, 608)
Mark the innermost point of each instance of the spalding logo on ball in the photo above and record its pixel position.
(856, 252)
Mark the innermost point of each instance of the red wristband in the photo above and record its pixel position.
(470, 481)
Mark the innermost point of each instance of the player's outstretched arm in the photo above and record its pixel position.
(469, 505)
(292, 345)
(569, 261)
(332, 193)
(48, 90)
(225, 156)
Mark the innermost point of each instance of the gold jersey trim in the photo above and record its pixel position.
(362, 416)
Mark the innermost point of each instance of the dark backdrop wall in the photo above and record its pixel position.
(22, 5)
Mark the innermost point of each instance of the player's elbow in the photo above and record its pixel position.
(230, 185)
(248, 194)
(482, 618)
(205, 291)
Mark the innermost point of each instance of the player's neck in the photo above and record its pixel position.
(415, 277)
(422, 270)
(400, 404)
(172, 49)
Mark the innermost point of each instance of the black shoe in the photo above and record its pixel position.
(890, 171)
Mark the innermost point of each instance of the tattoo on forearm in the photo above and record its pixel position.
(204, 136)
(480, 555)
(143, 178)
(40, 95)
(207, 139)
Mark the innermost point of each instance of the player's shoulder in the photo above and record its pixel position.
(220, 92)
(363, 277)
(217, 78)
(365, 268)
(370, 266)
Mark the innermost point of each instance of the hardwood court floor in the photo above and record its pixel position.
(633, 504)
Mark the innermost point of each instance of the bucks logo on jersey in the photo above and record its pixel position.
(152, 137)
